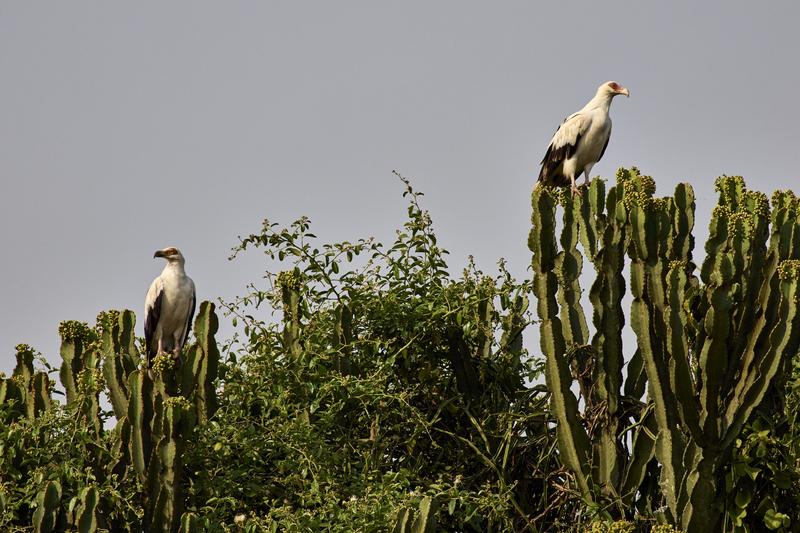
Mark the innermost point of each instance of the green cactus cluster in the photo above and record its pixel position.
(709, 343)
(52, 513)
(156, 411)
(27, 392)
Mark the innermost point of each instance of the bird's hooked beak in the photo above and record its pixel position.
(624, 91)
(159, 253)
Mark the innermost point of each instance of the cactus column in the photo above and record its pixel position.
(708, 346)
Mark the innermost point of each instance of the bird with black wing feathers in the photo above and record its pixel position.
(581, 140)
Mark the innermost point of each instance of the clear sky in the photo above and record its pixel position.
(127, 127)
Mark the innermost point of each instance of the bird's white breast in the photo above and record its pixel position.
(591, 145)
(176, 300)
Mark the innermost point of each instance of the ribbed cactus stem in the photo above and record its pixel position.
(13, 396)
(342, 337)
(572, 437)
(568, 267)
(119, 355)
(30, 388)
(606, 296)
(202, 363)
(23, 371)
(191, 523)
(421, 520)
(784, 341)
(140, 416)
(290, 283)
(164, 505)
(76, 338)
(86, 511)
(38, 395)
(47, 506)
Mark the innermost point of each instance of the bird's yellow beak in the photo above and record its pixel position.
(624, 91)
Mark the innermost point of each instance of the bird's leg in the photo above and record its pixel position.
(575, 188)
(176, 343)
(586, 179)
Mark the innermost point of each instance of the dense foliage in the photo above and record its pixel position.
(368, 389)
(385, 382)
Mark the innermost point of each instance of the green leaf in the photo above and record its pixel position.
(743, 497)
(775, 520)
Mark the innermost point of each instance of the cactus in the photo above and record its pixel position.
(34, 387)
(24, 369)
(191, 523)
(85, 516)
(12, 395)
(342, 337)
(164, 404)
(572, 437)
(423, 520)
(290, 283)
(38, 395)
(76, 338)
(119, 355)
(28, 390)
(708, 346)
(201, 364)
(600, 224)
(139, 417)
(80, 371)
(156, 410)
(738, 346)
(164, 496)
(47, 507)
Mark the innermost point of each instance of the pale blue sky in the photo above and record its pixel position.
(126, 127)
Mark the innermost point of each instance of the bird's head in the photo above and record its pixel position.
(171, 254)
(612, 89)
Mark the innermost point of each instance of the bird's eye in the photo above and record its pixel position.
(614, 86)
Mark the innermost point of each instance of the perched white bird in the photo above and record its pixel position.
(168, 307)
(581, 140)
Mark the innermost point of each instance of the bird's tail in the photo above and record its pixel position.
(553, 179)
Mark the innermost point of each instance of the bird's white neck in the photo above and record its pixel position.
(174, 268)
(602, 101)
